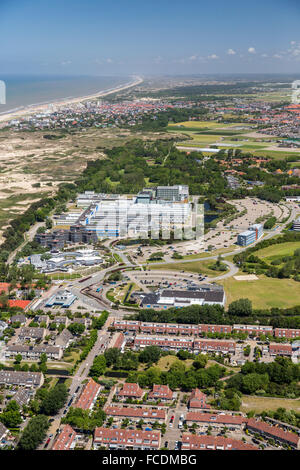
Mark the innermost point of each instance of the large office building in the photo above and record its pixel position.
(251, 235)
(177, 193)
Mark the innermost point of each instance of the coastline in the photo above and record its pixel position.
(37, 108)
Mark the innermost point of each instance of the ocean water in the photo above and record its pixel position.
(24, 91)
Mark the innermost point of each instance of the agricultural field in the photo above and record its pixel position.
(265, 292)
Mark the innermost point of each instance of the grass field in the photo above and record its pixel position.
(165, 362)
(201, 267)
(283, 249)
(259, 404)
(265, 292)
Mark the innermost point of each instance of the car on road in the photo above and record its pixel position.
(171, 424)
(166, 444)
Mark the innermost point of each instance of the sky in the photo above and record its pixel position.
(173, 37)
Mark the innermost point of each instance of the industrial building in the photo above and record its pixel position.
(178, 299)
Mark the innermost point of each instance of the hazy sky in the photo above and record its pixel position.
(149, 37)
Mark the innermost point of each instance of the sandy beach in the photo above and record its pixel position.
(60, 103)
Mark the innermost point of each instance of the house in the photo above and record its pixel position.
(274, 432)
(193, 442)
(287, 333)
(148, 415)
(278, 349)
(198, 399)
(64, 339)
(34, 352)
(217, 346)
(215, 421)
(130, 390)
(22, 396)
(88, 396)
(161, 392)
(87, 322)
(66, 440)
(61, 320)
(118, 341)
(3, 326)
(24, 379)
(3, 434)
(42, 319)
(126, 439)
(25, 333)
(18, 318)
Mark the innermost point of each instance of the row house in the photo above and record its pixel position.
(214, 328)
(148, 415)
(216, 346)
(287, 333)
(215, 421)
(22, 379)
(273, 432)
(130, 390)
(193, 442)
(34, 352)
(254, 329)
(173, 344)
(161, 392)
(126, 439)
(88, 396)
(126, 325)
(198, 399)
(278, 349)
(66, 439)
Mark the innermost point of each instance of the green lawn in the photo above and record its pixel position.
(275, 251)
(192, 267)
(266, 292)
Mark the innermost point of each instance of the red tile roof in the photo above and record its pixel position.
(126, 437)
(161, 391)
(214, 418)
(275, 431)
(135, 412)
(131, 390)
(64, 439)
(198, 399)
(192, 442)
(88, 395)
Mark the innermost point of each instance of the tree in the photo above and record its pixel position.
(76, 328)
(98, 367)
(54, 400)
(150, 354)
(34, 433)
(18, 358)
(241, 307)
(112, 356)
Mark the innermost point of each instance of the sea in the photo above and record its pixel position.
(25, 91)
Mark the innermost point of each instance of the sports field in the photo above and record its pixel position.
(266, 292)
